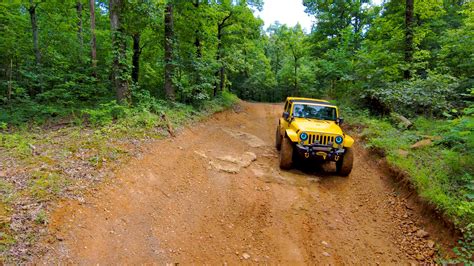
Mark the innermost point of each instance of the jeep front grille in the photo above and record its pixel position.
(320, 139)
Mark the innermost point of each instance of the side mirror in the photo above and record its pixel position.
(286, 115)
(339, 120)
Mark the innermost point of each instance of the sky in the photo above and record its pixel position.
(288, 12)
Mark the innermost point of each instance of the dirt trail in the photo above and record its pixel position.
(215, 195)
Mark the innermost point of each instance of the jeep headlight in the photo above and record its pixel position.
(339, 140)
(304, 136)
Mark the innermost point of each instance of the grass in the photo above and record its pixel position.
(47, 162)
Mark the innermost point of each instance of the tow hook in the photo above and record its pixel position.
(306, 155)
(336, 158)
(322, 154)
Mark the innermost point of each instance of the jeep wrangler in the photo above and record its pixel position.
(309, 129)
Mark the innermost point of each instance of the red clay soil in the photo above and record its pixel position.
(215, 194)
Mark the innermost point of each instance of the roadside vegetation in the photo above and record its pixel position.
(83, 83)
(436, 156)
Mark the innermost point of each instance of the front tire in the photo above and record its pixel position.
(286, 154)
(278, 139)
(344, 165)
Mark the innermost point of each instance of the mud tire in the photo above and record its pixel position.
(344, 165)
(278, 139)
(286, 154)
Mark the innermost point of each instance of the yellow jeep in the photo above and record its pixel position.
(310, 129)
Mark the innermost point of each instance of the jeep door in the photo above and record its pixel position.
(284, 121)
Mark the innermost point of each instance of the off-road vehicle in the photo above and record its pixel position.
(309, 129)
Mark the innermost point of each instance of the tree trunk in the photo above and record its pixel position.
(136, 57)
(409, 20)
(93, 39)
(34, 28)
(197, 41)
(79, 24)
(296, 76)
(119, 46)
(169, 51)
(221, 72)
(10, 83)
(357, 25)
(221, 78)
(218, 59)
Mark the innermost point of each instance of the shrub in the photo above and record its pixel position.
(433, 96)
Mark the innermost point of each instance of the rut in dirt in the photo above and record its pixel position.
(214, 194)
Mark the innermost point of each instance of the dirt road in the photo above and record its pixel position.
(214, 195)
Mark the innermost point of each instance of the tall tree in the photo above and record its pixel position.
(80, 37)
(119, 45)
(169, 52)
(221, 25)
(93, 38)
(197, 40)
(409, 21)
(137, 50)
(34, 28)
(295, 42)
(140, 18)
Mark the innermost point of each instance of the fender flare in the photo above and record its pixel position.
(348, 141)
(292, 135)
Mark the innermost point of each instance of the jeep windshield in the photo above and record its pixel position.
(312, 111)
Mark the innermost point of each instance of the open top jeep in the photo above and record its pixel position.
(310, 129)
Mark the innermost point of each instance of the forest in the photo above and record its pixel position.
(62, 57)
(95, 63)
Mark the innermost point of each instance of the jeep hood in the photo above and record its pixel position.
(314, 125)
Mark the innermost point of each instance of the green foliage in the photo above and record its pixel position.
(64, 82)
(465, 250)
(105, 113)
(433, 96)
(355, 53)
(19, 143)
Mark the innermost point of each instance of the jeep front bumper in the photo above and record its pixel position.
(318, 151)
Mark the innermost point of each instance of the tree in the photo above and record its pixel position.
(409, 19)
(221, 25)
(34, 29)
(169, 52)
(93, 38)
(287, 48)
(119, 43)
(80, 37)
(294, 39)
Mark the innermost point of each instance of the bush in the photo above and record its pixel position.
(433, 96)
(106, 113)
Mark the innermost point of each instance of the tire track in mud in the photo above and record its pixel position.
(175, 205)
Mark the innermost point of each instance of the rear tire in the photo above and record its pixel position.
(286, 154)
(278, 139)
(344, 165)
